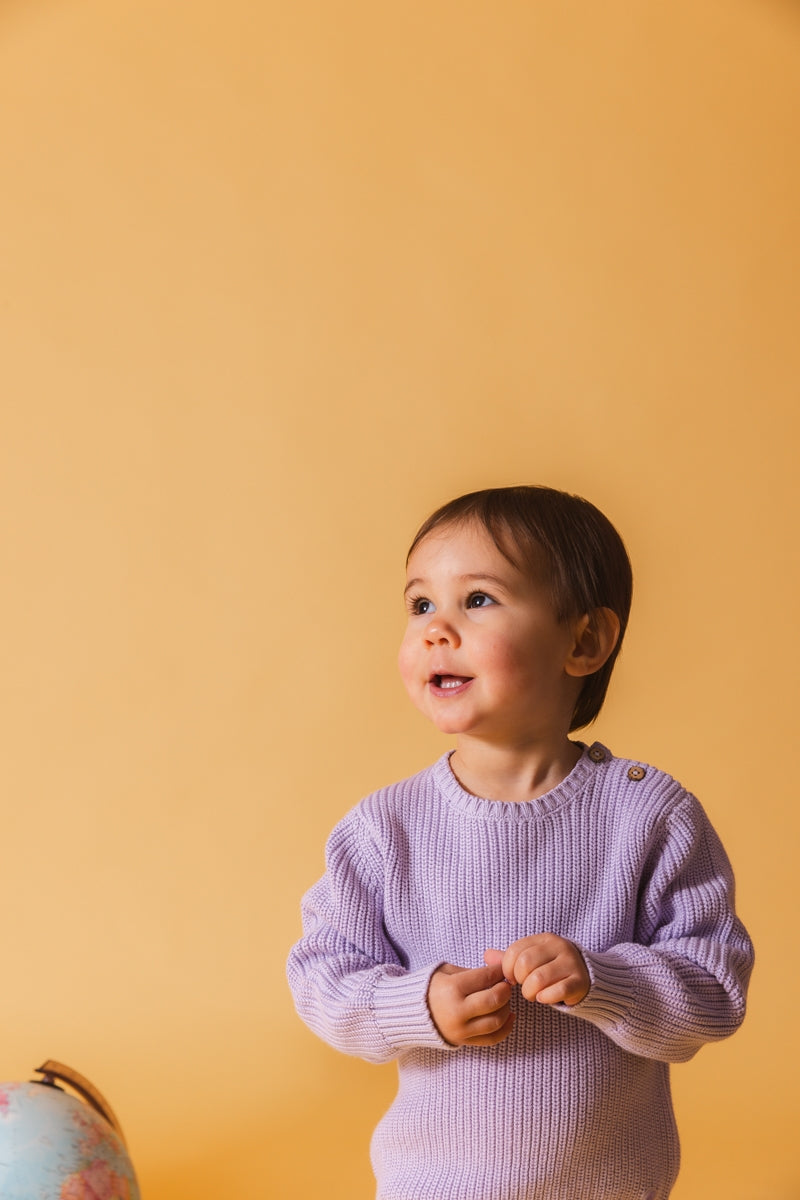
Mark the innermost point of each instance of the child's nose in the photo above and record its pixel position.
(441, 632)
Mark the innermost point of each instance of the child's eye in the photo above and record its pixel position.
(479, 600)
(419, 606)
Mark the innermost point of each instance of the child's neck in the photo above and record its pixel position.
(512, 773)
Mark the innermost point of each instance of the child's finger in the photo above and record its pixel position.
(563, 991)
(495, 958)
(523, 958)
(487, 1002)
(490, 1036)
(560, 981)
(478, 979)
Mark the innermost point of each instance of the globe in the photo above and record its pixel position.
(54, 1146)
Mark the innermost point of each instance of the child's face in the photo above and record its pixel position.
(484, 654)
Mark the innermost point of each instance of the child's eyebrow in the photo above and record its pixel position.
(480, 577)
(483, 577)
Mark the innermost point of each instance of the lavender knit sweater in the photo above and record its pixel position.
(575, 1104)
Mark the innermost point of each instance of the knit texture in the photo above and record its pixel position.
(575, 1104)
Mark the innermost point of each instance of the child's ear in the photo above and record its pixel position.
(596, 635)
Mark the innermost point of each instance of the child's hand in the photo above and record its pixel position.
(471, 1007)
(550, 969)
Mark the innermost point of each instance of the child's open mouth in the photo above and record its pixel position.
(449, 684)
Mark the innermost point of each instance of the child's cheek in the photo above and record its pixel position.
(408, 673)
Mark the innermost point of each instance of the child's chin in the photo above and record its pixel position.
(450, 726)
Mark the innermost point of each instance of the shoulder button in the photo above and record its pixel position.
(636, 773)
(597, 754)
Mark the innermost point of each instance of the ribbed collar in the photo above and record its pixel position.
(523, 810)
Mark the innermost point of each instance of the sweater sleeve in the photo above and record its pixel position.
(349, 983)
(683, 982)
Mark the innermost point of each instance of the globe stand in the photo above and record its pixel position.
(52, 1070)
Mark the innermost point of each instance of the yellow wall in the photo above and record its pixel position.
(275, 280)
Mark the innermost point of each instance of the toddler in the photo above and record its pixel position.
(534, 928)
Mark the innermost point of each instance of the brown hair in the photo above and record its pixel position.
(564, 542)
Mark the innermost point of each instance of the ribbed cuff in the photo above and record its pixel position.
(402, 1014)
(611, 992)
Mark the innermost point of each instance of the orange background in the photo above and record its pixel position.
(276, 280)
